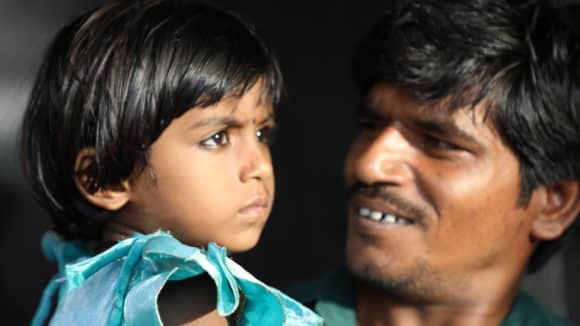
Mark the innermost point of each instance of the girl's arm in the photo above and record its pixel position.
(190, 302)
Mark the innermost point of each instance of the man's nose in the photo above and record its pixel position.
(383, 158)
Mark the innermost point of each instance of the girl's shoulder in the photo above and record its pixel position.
(124, 284)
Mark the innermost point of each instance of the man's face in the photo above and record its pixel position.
(434, 201)
(210, 175)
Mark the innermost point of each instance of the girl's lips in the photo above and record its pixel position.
(257, 207)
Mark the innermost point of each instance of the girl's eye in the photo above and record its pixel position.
(219, 139)
(266, 135)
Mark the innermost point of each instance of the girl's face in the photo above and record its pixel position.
(210, 175)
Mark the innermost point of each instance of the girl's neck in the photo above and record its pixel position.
(111, 234)
(114, 232)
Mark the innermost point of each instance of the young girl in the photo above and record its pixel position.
(147, 140)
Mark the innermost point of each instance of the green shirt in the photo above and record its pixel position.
(332, 298)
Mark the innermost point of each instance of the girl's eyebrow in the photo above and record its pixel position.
(228, 121)
(214, 121)
(269, 118)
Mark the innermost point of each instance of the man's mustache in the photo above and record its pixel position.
(384, 192)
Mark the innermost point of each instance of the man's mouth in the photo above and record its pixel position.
(377, 205)
(381, 217)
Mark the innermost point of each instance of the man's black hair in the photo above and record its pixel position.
(114, 79)
(521, 58)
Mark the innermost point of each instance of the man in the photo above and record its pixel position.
(464, 174)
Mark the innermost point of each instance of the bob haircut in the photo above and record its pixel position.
(114, 79)
(521, 58)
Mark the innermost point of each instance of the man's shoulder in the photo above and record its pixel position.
(527, 311)
(330, 296)
(305, 291)
(334, 285)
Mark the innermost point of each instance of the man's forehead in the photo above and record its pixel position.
(470, 123)
(386, 99)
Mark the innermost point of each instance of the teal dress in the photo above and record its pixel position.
(120, 286)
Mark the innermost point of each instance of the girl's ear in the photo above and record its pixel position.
(110, 197)
(560, 206)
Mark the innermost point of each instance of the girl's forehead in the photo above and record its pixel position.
(258, 94)
(249, 107)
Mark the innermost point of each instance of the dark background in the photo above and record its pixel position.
(304, 237)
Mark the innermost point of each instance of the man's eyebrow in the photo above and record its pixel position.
(424, 121)
(444, 127)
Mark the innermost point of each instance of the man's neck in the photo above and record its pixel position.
(376, 307)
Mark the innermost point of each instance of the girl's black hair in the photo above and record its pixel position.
(114, 79)
(520, 56)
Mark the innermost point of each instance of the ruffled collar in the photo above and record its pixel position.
(144, 263)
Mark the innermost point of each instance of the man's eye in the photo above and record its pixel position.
(219, 139)
(266, 135)
(428, 142)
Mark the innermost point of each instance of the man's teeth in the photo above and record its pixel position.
(390, 219)
(382, 217)
(377, 216)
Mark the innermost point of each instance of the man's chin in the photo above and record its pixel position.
(370, 274)
(417, 284)
(371, 263)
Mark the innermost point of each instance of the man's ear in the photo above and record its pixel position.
(109, 197)
(560, 206)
